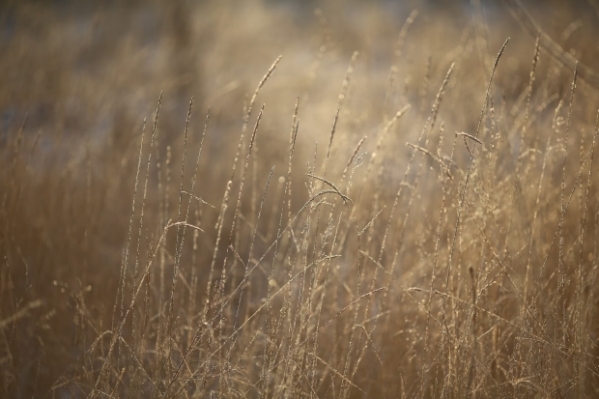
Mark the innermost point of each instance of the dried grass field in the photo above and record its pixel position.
(279, 199)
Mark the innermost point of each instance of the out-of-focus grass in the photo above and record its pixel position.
(391, 223)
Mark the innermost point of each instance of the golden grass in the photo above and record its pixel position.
(361, 201)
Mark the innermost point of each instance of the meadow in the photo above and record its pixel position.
(279, 199)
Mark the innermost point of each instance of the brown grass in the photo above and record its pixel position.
(358, 201)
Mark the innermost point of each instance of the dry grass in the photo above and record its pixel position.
(405, 204)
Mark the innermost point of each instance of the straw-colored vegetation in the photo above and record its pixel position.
(363, 199)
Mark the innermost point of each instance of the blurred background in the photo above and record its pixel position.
(98, 66)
